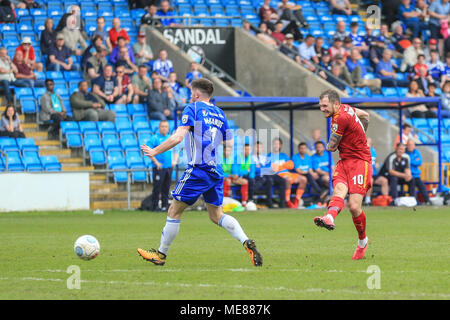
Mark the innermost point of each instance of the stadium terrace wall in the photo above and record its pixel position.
(181, 61)
(44, 191)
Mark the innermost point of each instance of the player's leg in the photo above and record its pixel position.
(169, 233)
(287, 192)
(213, 199)
(335, 206)
(301, 185)
(359, 220)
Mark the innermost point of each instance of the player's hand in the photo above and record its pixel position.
(149, 152)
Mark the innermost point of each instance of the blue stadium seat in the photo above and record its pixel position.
(32, 164)
(55, 75)
(50, 163)
(116, 161)
(111, 143)
(144, 138)
(141, 126)
(119, 109)
(420, 123)
(27, 144)
(389, 92)
(28, 105)
(97, 156)
(14, 161)
(128, 141)
(92, 141)
(88, 127)
(8, 144)
(135, 161)
(123, 125)
(106, 127)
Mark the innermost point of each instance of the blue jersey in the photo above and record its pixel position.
(447, 71)
(208, 129)
(303, 164)
(278, 159)
(416, 162)
(357, 40)
(321, 162)
(436, 69)
(164, 158)
(373, 155)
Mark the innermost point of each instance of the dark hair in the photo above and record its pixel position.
(301, 144)
(143, 66)
(79, 83)
(279, 140)
(48, 80)
(400, 144)
(319, 142)
(420, 55)
(120, 37)
(353, 24)
(204, 85)
(406, 125)
(332, 95)
(309, 36)
(6, 110)
(97, 36)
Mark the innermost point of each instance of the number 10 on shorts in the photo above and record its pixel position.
(358, 179)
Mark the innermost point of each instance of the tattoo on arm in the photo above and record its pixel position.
(334, 142)
(365, 123)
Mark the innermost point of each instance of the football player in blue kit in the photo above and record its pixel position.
(205, 127)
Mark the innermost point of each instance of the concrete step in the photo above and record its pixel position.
(105, 187)
(60, 153)
(112, 196)
(97, 177)
(37, 135)
(47, 143)
(67, 160)
(29, 125)
(69, 167)
(114, 205)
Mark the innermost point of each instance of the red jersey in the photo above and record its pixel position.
(353, 144)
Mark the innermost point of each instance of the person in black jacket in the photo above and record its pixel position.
(48, 37)
(149, 18)
(159, 107)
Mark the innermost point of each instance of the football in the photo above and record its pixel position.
(86, 247)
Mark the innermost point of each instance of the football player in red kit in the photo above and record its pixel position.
(353, 174)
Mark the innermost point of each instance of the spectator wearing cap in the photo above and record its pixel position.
(432, 46)
(410, 16)
(116, 31)
(248, 27)
(48, 36)
(358, 40)
(96, 64)
(28, 54)
(163, 65)
(59, 58)
(340, 31)
(142, 51)
(410, 55)
(149, 18)
(100, 31)
(376, 51)
(289, 50)
(166, 11)
(141, 84)
(307, 53)
(24, 74)
(88, 106)
(439, 10)
(342, 7)
(337, 48)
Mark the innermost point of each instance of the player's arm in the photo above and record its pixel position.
(171, 142)
(363, 117)
(334, 141)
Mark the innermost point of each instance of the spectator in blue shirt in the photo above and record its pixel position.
(162, 168)
(303, 165)
(358, 40)
(166, 11)
(438, 10)
(163, 65)
(410, 16)
(416, 162)
(320, 164)
(445, 100)
(358, 71)
(435, 66)
(385, 70)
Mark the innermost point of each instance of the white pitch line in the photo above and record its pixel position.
(222, 286)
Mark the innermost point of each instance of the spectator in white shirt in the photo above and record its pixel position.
(308, 53)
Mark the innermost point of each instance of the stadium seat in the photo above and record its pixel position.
(14, 161)
(8, 144)
(26, 144)
(28, 105)
(106, 127)
(123, 125)
(50, 163)
(88, 127)
(32, 164)
(111, 143)
(135, 161)
(119, 109)
(92, 141)
(97, 156)
(128, 141)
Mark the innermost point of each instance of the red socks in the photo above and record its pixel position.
(226, 188)
(244, 193)
(335, 206)
(360, 225)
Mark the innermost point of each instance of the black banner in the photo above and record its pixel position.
(216, 44)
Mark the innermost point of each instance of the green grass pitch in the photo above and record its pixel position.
(301, 261)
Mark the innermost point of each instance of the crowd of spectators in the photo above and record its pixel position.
(402, 51)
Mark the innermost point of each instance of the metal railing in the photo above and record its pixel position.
(4, 154)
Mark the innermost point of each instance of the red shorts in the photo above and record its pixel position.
(356, 174)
